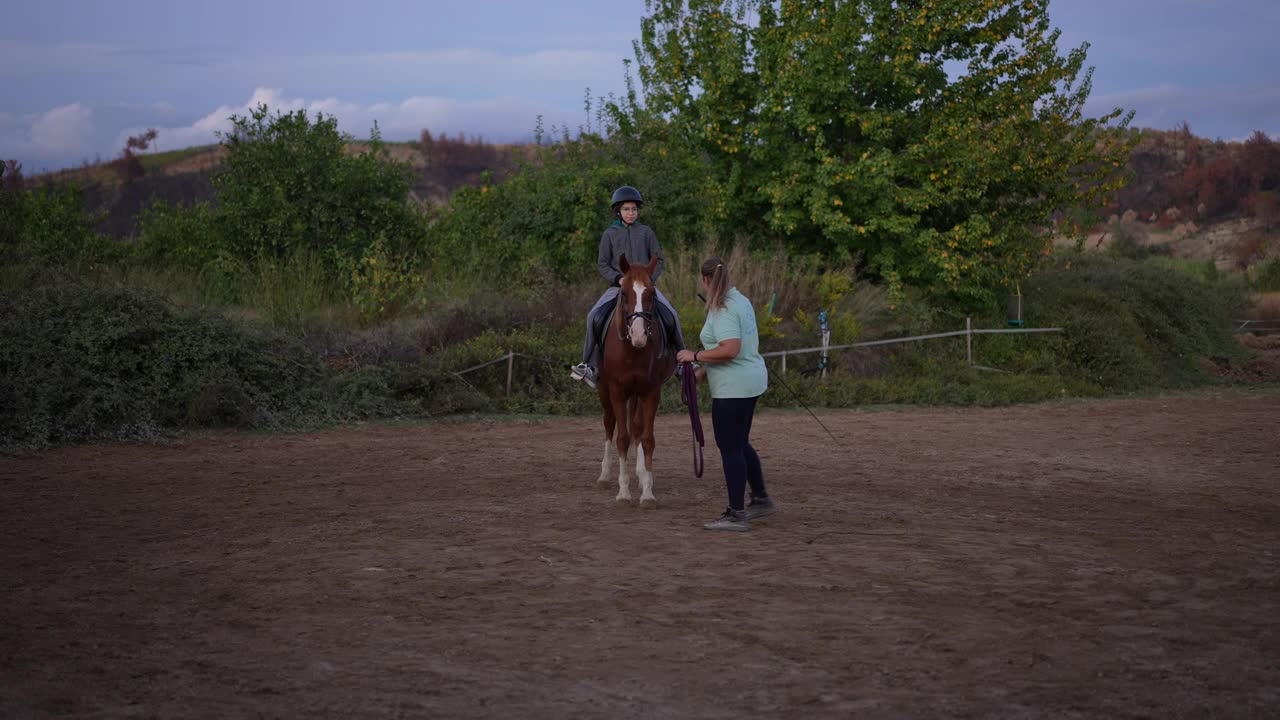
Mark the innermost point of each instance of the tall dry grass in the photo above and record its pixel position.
(1264, 306)
(790, 282)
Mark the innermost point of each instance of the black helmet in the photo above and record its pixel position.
(626, 193)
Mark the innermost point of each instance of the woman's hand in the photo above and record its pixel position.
(684, 356)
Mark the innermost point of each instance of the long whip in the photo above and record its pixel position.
(784, 384)
(778, 377)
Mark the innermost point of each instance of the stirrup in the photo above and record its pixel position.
(585, 373)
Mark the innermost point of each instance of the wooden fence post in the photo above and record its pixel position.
(511, 362)
(968, 339)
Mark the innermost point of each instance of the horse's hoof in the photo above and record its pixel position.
(649, 504)
(619, 502)
(605, 482)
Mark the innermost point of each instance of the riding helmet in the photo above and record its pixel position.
(626, 193)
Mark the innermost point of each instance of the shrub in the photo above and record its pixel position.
(1268, 276)
(288, 185)
(179, 237)
(1130, 324)
(545, 221)
(382, 282)
(1130, 242)
(52, 229)
(78, 363)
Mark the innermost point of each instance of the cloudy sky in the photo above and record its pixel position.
(77, 77)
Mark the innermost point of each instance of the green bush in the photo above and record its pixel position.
(1128, 324)
(1268, 277)
(78, 362)
(546, 219)
(1129, 242)
(12, 201)
(295, 218)
(51, 229)
(289, 185)
(177, 237)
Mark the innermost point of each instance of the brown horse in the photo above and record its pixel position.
(636, 364)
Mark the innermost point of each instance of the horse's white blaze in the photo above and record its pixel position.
(638, 338)
(645, 477)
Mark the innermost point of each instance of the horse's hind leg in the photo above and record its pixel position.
(646, 412)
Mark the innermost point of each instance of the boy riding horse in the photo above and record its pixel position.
(638, 243)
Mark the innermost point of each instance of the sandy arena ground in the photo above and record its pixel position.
(1103, 559)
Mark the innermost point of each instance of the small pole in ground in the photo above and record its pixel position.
(511, 362)
(968, 339)
(826, 340)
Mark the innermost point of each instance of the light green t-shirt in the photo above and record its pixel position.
(744, 376)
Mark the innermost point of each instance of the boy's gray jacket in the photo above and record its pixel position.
(636, 241)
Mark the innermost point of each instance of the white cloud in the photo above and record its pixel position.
(62, 135)
(63, 129)
(205, 130)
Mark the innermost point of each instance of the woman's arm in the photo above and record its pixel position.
(724, 352)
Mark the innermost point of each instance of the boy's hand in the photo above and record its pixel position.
(684, 356)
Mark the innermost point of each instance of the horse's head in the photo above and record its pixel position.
(636, 298)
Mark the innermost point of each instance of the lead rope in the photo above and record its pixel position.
(689, 394)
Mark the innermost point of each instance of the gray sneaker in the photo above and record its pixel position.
(730, 519)
(585, 373)
(760, 508)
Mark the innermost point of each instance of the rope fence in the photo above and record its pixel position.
(968, 332)
(510, 356)
(1260, 327)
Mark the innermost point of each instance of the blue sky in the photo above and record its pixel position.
(77, 77)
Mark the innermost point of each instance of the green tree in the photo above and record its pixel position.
(288, 185)
(545, 220)
(936, 138)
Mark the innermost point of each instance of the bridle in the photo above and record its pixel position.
(645, 315)
(656, 346)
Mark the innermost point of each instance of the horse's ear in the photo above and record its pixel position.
(653, 265)
(623, 265)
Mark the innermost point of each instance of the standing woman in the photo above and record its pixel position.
(738, 377)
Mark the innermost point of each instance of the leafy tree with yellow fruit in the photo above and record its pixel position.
(938, 139)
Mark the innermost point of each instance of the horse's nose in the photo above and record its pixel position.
(638, 336)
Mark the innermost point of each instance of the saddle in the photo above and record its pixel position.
(666, 324)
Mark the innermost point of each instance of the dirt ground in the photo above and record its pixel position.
(1111, 559)
(1262, 367)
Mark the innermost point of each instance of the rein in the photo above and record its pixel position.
(689, 395)
(623, 319)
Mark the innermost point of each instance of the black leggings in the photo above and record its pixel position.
(731, 418)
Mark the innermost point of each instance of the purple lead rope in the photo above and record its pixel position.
(689, 394)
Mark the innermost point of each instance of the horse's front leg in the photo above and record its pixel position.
(622, 440)
(610, 449)
(646, 413)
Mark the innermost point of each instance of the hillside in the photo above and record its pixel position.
(1190, 196)
(439, 165)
